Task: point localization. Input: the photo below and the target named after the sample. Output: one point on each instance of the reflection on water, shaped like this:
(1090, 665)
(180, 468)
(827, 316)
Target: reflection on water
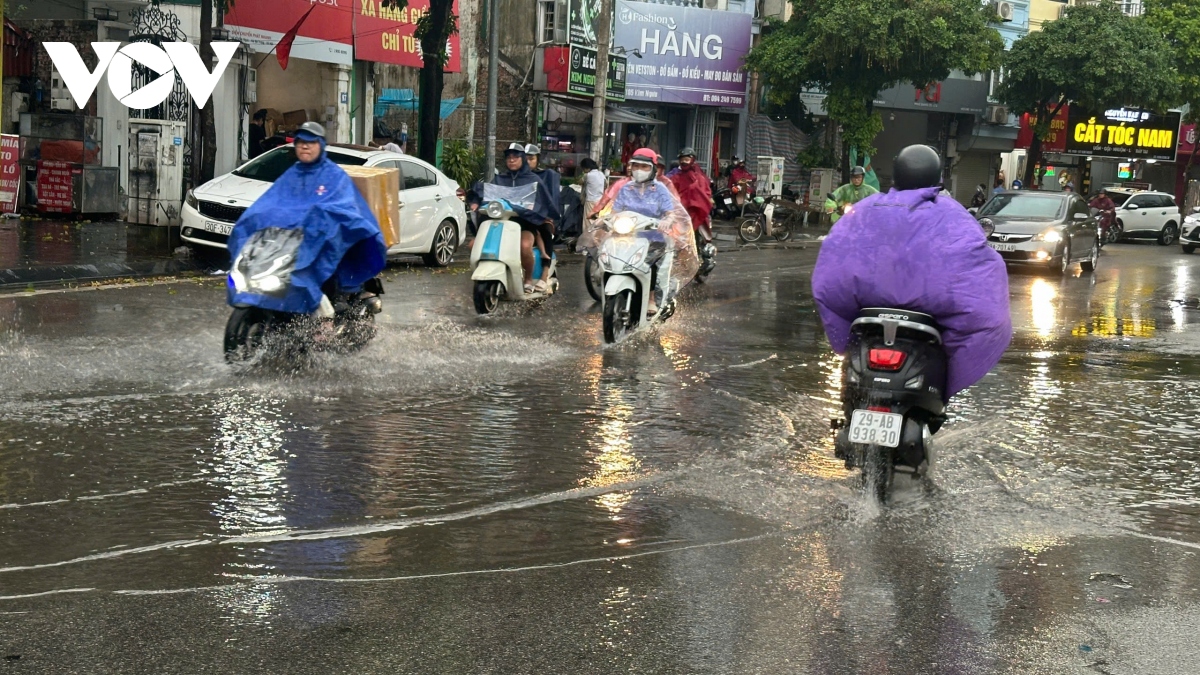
(1044, 311)
(613, 458)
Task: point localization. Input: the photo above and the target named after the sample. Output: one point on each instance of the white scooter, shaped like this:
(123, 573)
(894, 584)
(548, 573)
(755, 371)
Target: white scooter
(496, 256)
(629, 253)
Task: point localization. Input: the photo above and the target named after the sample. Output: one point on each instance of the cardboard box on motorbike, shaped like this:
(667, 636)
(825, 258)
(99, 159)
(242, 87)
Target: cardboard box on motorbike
(381, 188)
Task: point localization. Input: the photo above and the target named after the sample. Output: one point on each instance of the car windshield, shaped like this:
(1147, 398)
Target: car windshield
(269, 166)
(1027, 206)
(1119, 198)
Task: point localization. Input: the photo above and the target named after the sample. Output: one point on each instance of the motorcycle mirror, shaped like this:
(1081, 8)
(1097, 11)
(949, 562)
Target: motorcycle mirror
(973, 211)
(1081, 216)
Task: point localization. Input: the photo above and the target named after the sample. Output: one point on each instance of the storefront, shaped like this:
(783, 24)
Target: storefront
(313, 81)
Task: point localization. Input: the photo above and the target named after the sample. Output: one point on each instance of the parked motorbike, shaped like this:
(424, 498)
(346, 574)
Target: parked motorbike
(730, 202)
(762, 221)
(496, 254)
(892, 396)
(263, 270)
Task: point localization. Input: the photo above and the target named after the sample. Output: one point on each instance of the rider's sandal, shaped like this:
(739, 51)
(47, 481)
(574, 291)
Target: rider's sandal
(529, 288)
(541, 286)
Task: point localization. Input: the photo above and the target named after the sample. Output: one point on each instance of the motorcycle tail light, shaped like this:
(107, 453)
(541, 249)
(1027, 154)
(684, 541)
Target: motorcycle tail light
(736, 189)
(886, 359)
(879, 408)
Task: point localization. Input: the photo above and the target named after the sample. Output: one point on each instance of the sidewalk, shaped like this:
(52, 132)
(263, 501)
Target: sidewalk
(49, 252)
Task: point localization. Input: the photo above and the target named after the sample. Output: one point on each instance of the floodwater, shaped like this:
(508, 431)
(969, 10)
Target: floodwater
(507, 494)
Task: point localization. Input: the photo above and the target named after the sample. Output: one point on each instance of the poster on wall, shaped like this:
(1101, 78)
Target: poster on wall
(385, 35)
(1123, 132)
(54, 183)
(10, 173)
(692, 56)
(326, 35)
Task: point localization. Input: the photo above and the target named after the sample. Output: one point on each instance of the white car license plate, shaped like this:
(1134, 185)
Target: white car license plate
(728, 200)
(218, 228)
(876, 428)
(1003, 248)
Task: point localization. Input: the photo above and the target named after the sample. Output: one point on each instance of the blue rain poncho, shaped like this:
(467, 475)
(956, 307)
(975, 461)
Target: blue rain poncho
(341, 235)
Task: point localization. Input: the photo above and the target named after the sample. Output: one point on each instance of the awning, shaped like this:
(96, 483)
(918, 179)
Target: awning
(611, 113)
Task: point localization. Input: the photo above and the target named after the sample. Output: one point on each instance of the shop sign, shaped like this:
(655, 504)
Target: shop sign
(1123, 132)
(326, 35)
(581, 77)
(385, 34)
(1187, 139)
(692, 56)
(583, 26)
(1055, 141)
(55, 181)
(950, 96)
(9, 172)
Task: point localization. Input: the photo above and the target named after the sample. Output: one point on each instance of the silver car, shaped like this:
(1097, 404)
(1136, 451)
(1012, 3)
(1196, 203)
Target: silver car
(1053, 230)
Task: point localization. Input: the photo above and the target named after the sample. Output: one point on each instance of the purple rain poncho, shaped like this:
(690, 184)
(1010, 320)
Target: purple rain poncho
(916, 250)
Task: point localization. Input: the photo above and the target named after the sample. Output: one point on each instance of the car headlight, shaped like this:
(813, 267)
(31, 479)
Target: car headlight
(623, 225)
(192, 201)
(1192, 219)
(1049, 236)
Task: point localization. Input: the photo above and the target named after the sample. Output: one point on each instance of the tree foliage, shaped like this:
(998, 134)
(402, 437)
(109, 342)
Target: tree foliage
(1178, 21)
(434, 28)
(1096, 57)
(854, 49)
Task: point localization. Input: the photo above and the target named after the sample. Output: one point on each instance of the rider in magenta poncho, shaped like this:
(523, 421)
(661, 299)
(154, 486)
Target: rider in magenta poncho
(912, 248)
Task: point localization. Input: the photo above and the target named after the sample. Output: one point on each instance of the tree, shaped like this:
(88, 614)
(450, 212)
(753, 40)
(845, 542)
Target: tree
(434, 28)
(1096, 57)
(1178, 21)
(854, 49)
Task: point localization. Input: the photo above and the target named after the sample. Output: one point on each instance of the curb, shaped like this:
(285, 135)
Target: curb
(20, 278)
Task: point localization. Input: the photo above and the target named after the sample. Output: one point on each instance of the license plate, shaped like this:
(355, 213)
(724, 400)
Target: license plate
(1003, 248)
(218, 228)
(876, 428)
(728, 200)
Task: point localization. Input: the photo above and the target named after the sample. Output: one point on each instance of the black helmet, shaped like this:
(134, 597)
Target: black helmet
(311, 129)
(736, 159)
(858, 171)
(916, 167)
(687, 152)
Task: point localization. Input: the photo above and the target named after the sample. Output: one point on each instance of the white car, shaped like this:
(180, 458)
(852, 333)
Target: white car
(433, 219)
(1190, 236)
(1142, 214)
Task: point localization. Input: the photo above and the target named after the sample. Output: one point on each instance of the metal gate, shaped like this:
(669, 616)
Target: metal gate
(702, 137)
(156, 26)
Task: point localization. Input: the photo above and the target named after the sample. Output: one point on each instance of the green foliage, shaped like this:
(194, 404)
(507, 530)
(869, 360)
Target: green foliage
(1179, 22)
(853, 49)
(816, 155)
(462, 163)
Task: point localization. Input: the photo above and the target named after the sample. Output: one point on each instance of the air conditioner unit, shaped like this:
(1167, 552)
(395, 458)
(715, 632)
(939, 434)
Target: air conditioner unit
(250, 93)
(1004, 10)
(62, 103)
(997, 114)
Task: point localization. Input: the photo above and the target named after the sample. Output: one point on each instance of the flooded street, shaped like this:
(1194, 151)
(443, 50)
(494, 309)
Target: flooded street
(508, 495)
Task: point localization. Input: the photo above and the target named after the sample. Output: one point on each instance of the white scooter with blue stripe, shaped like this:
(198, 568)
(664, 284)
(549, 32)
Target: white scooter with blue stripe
(496, 256)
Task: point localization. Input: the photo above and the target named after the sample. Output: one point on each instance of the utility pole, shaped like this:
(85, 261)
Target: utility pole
(493, 84)
(603, 37)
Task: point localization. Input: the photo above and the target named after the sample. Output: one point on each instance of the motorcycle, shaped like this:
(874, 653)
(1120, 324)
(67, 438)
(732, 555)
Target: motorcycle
(707, 251)
(638, 258)
(1108, 227)
(763, 221)
(262, 271)
(840, 209)
(730, 202)
(496, 254)
(894, 377)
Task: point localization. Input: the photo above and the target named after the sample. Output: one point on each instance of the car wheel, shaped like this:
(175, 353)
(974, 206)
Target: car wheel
(1089, 265)
(1114, 232)
(1169, 232)
(1189, 248)
(445, 243)
(1065, 266)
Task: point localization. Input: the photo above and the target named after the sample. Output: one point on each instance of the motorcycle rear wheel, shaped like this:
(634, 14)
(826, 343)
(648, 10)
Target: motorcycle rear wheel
(878, 472)
(618, 322)
(783, 231)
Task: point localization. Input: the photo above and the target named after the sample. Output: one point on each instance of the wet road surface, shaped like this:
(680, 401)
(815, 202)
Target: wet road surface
(507, 495)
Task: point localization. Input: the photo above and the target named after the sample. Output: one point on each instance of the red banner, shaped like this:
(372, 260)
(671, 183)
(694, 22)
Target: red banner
(386, 35)
(54, 183)
(9, 172)
(1187, 139)
(327, 35)
(1056, 141)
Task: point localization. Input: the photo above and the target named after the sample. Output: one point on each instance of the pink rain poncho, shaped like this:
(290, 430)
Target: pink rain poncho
(916, 250)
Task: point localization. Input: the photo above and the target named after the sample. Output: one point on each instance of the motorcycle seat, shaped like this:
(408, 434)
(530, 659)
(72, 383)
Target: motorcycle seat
(892, 320)
(901, 314)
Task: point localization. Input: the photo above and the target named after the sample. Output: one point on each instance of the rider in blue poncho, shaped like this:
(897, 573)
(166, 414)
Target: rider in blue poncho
(342, 247)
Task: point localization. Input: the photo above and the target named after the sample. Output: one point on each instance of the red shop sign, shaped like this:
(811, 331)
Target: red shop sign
(10, 172)
(1056, 141)
(54, 185)
(386, 35)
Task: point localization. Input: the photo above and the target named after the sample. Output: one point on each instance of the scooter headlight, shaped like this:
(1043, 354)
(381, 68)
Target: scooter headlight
(494, 210)
(267, 284)
(623, 225)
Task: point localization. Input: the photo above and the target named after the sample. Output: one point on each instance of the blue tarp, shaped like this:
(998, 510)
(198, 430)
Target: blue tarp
(407, 99)
(341, 235)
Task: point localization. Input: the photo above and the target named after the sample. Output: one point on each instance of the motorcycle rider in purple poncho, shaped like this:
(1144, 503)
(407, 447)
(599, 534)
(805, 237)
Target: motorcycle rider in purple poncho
(911, 248)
